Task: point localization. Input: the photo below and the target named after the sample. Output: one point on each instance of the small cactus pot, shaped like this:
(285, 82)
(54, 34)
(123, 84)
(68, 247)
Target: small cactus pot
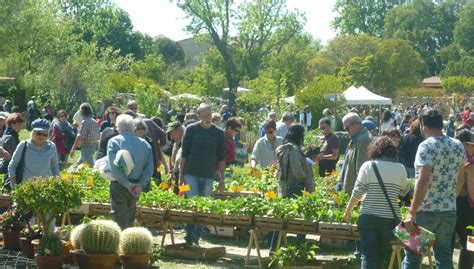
(94, 261)
(135, 261)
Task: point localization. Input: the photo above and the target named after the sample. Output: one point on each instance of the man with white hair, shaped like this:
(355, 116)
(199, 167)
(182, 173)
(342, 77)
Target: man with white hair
(356, 152)
(284, 125)
(131, 164)
(202, 148)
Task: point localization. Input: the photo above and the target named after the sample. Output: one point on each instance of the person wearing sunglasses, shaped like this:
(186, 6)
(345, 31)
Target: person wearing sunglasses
(110, 118)
(264, 151)
(41, 158)
(232, 128)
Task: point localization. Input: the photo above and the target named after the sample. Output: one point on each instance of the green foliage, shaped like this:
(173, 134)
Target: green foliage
(152, 67)
(464, 29)
(171, 51)
(100, 237)
(50, 245)
(203, 80)
(312, 94)
(362, 16)
(48, 197)
(156, 253)
(13, 220)
(460, 85)
(295, 255)
(149, 98)
(462, 67)
(426, 25)
(135, 241)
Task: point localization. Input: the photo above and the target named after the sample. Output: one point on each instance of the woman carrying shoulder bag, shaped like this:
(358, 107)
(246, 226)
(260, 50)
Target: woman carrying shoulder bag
(382, 179)
(294, 172)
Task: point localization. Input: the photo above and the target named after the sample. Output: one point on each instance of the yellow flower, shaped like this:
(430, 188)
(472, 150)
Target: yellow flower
(270, 195)
(237, 188)
(90, 181)
(164, 185)
(75, 176)
(306, 193)
(254, 190)
(158, 169)
(334, 173)
(184, 188)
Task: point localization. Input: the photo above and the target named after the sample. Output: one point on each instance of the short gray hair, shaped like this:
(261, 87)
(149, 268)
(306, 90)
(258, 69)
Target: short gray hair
(352, 117)
(202, 107)
(124, 123)
(139, 123)
(287, 116)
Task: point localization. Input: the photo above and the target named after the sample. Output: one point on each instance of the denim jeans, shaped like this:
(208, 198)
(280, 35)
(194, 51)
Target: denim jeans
(87, 155)
(375, 235)
(442, 225)
(199, 186)
(291, 191)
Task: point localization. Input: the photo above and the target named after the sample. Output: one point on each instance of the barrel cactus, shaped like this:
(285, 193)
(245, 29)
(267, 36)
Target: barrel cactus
(136, 241)
(100, 237)
(50, 245)
(75, 236)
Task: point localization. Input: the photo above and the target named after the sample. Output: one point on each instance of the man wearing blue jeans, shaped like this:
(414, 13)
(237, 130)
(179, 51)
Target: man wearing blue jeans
(439, 164)
(202, 151)
(87, 136)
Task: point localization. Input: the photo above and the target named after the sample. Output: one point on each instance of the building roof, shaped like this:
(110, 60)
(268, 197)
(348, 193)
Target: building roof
(431, 82)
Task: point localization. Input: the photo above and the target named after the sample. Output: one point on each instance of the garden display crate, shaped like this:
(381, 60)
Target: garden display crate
(208, 218)
(222, 231)
(470, 243)
(302, 225)
(180, 216)
(194, 253)
(99, 209)
(237, 220)
(83, 209)
(5, 200)
(267, 222)
(355, 231)
(341, 229)
(320, 264)
(226, 195)
(150, 213)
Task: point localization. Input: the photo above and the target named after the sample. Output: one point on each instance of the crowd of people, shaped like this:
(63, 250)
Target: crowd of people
(380, 156)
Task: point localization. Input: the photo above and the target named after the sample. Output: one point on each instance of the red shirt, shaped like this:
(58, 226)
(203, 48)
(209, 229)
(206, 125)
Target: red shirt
(229, 145)
(465, 116)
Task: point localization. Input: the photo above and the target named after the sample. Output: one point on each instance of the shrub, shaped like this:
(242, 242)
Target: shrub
(50, 246)
(135, 241)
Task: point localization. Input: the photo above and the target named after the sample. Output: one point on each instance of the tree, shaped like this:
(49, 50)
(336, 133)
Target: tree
(103, 23)
(362, 16)
(152, 67)
(380, 65)
(427, 25)
(459, 85)
(172, 51)
(464, 29)
(203, 80)
(313, 93)
(462, 67)
(263, 26)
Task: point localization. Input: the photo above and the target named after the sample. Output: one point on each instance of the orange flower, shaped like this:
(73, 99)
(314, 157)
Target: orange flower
(270, 195)
(237, 188)
(164, 185)
(184, 188)
(256, 173)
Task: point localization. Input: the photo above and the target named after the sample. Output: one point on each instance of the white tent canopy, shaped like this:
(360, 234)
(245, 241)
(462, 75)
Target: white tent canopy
(239, 89)
(185, 96)
(290, 100)
(362, 96)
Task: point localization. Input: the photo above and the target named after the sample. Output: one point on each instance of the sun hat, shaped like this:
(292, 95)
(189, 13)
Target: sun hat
(40, 125)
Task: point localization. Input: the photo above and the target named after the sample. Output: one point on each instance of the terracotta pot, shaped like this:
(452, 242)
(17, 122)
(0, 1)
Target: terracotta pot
(11, 240)
(27, 248)
(135, 261)
(49, 262)
(94, 261)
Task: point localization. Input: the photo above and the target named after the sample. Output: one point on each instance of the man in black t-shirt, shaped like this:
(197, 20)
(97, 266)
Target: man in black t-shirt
(202, 148)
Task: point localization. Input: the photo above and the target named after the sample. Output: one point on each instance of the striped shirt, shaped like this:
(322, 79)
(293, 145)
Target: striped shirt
(394, 177)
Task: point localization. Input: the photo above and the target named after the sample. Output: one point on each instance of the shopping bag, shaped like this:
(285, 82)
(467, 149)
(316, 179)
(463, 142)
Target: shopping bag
(419, 242)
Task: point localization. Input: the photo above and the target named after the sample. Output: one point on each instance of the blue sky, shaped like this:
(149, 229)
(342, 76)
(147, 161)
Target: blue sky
(161, 17)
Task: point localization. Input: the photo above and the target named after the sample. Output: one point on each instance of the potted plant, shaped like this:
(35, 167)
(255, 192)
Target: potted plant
(48, 197)
(11, 223)
(75, 236)
(470, 239)
(50, 253)
(28, 234)
(99, 241)
(135, 247)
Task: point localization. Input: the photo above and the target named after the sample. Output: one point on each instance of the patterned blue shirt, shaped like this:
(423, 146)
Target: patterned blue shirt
(445, 155)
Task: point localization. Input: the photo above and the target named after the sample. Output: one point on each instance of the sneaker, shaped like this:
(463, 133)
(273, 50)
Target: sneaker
(191, 245)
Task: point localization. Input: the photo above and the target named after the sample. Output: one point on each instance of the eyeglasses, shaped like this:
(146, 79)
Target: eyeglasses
(39, 133)
(269, 131)
(62, 116)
